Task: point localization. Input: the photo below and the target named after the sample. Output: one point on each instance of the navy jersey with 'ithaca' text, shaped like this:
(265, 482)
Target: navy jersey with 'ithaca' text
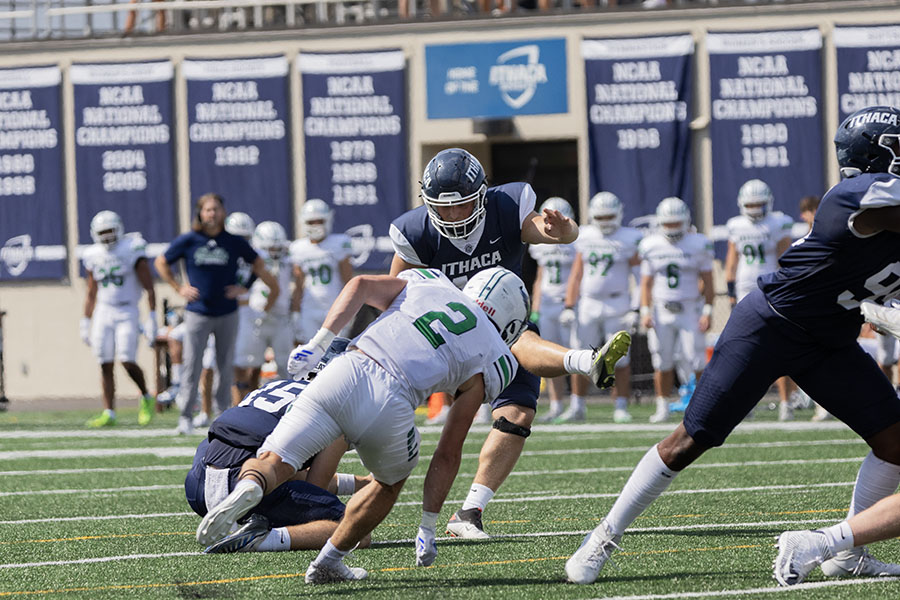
(827, 274)
(497, 242)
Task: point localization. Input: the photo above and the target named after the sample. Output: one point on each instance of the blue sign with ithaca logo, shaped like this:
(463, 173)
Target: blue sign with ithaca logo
(496, 79)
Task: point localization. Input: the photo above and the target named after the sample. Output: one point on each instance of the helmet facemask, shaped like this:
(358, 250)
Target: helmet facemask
(455, 230)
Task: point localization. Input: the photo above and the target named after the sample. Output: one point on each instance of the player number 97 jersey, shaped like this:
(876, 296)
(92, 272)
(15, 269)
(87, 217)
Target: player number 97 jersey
(605, 260)
(675, 266)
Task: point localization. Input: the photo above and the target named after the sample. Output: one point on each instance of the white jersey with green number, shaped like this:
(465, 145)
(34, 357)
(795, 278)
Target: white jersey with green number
(259, 291)
(756, 243)
(322, 282)
(113, 269)
(605, 260)
(675, 266)
(556, 262)
(434, 338)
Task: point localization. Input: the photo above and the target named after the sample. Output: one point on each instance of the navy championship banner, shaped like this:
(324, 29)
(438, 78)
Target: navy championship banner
(354, 108)
(868, 67)
(496, 79)
(32, 207)
(239, 132)
(639, 106)
(766, 124)
(124, 152)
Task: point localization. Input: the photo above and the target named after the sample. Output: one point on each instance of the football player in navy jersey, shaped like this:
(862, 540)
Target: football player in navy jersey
(298, 515)
(803, 322)
(464, 227)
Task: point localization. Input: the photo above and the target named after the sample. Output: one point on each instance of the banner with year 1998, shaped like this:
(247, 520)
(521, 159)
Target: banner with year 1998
(32, 208)
(239, 129)
(766, 121)
(124, 154)
(639, 104)
(868, 67)
(354, 107)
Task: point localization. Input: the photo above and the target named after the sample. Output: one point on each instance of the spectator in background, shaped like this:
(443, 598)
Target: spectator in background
(210, 257)
(131, 20)
(117, 270)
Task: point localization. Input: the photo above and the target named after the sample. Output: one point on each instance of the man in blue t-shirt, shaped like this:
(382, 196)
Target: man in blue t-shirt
(802, 322)
(210, 256)
(465, 227)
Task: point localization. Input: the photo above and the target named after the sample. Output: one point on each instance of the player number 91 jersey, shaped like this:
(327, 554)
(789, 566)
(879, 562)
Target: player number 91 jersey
(435, 338)
(675, 266)
(756, 243)
(112, 267)
(605, 260)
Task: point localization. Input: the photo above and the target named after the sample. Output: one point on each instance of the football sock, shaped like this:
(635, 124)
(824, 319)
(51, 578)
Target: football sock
(578, 361)
(840, 537)
(876, 479)
(330, 554)
(479, 496)
(277, 540)
(649, 479)
(176, 374)
(577, 402)
(111, 413)
(622, 403)
(555, 406)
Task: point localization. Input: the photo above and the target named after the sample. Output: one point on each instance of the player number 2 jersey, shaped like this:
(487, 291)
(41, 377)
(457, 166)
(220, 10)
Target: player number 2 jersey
(675, 266)
(435, 338)
(113, 269)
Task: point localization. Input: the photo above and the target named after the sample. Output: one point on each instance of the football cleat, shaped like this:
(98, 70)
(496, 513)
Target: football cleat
(145, 410)
(662, 411)
(246, 539)
(584, 566)
(185, 426)
(857, 562)
(166, 398)
(603, 360)
(333, 573)
(799, 552)
(218, 521)
(467, 524)
(551, 414)
(571, 415)
(104, 419)
(620, 415)
(201, 419)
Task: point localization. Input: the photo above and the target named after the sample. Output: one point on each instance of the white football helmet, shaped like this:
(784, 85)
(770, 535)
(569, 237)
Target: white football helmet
(606, 212)
(270, 237)
(315, 219)
(107, 228)
(560, 204)
(673, 217)
(755, 199)
(502, 295)
(239, 223)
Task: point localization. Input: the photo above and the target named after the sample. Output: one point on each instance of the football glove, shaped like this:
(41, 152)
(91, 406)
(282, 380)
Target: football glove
(149, 328)
(426, 547)
(567, 317)
(305, 357)
(84, 330)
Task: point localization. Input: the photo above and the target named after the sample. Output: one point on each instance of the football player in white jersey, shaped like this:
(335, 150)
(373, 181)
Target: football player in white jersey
(117, 272)
(756, 239)
(599, 284)
(676, 296)
(266, 329)
(431, 337)
(322, 267)
(549, 298)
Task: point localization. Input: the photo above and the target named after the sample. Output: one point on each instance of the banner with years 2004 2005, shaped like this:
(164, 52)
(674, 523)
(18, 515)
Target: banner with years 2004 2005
(766, 120)
(32, 208)
(124, 153)
(639, 106)
(238, 128)
(354, 107)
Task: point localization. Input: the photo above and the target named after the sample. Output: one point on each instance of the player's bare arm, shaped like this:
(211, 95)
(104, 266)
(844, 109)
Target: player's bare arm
(551, 227)
(345, 268)
(573, 286)
(536, 290)
(646, 301)
(709, 294)
(398, 265)
(186, 291)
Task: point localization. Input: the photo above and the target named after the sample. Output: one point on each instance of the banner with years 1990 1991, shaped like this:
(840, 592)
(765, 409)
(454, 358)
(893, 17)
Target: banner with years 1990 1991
(32, 209)
(766, 122)
(354, 107)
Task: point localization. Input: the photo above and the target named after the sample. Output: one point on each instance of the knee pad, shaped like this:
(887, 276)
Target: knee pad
(504, 425)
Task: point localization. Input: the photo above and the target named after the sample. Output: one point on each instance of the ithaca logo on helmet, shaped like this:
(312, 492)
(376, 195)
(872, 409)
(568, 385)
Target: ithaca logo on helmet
(873, 117)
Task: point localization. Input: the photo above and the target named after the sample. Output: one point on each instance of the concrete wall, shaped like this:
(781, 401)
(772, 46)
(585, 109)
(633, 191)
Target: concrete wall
(43, 354)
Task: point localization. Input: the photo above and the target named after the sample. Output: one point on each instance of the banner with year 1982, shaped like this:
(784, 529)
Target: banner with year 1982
(639, 104)
(766, 122)
(32, 208)
(354, 107)
(124, 152)
(239, 129)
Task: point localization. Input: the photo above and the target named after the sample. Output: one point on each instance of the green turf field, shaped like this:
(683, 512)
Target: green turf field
(102, 515)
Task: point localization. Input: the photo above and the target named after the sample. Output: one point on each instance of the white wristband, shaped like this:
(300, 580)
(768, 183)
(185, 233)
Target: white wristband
(645, 311)
(346, 484)
(322, 339)
(707, 310)
(429, 520)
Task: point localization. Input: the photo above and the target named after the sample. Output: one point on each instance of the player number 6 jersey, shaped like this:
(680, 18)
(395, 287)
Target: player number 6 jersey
(675, 266)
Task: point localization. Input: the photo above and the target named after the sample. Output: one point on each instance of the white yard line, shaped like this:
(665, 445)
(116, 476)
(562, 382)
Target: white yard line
(766, 590)
(102, 559)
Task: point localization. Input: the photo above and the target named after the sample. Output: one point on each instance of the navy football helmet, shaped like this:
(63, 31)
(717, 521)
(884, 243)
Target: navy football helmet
(868, 141)
(451, 178)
